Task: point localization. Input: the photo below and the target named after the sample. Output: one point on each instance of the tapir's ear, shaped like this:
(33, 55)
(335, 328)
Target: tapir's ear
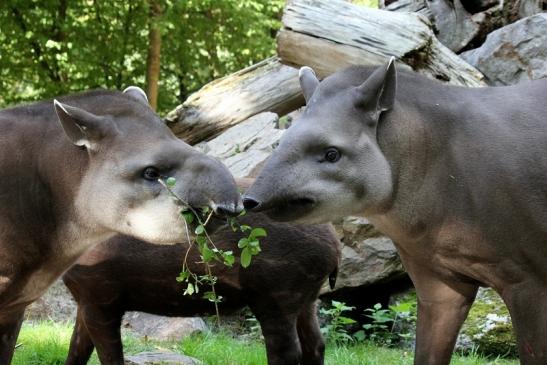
(137, 93)
(377, 93)
(81, 127)
(308, 82)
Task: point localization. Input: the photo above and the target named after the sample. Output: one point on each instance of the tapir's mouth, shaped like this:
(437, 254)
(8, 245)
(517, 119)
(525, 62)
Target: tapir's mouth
(291, 209)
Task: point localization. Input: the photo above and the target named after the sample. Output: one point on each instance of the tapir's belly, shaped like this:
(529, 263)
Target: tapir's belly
(455, 250)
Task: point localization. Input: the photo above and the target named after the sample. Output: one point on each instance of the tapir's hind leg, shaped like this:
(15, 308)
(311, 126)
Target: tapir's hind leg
(9, 331)
(527, 304)
(103, 326)
(442, 308)
(81, 346)
(311, 341)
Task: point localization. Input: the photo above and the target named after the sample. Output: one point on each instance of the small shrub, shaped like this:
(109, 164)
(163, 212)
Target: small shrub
(336, 329)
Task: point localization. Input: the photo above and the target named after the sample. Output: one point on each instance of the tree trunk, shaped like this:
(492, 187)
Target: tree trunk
(328, 35)
(154, 53)
(266, 86)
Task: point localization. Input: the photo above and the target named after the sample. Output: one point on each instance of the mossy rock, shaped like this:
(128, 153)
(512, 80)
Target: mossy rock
(488, 330)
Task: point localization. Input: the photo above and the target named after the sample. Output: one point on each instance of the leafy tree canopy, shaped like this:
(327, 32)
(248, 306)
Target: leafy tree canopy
(54, 47)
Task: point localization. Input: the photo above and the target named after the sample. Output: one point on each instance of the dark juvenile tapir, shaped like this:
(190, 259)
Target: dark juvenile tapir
(75, 172)
(280, 286)
(457, 177)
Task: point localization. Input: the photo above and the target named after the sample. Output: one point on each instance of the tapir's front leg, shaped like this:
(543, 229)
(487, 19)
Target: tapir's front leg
(527, 303)
(9, 331)
(442, 308)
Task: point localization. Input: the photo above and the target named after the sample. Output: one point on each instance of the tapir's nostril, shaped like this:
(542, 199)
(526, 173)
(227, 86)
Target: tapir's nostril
(249, 203)
(228, 210)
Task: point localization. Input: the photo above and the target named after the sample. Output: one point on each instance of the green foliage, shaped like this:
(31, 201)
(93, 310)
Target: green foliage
(47, 343)
(381, 328)
(335, 330)
(208, 251)
(55, 47)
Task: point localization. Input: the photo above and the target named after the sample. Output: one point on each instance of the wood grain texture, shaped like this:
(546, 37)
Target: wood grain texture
(266, 86)
(332, 34)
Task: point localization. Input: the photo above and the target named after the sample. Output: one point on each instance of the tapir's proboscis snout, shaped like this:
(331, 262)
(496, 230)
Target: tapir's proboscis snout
(211, 185)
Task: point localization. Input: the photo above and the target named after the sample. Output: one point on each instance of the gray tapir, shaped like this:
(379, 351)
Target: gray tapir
(280, 287)
(74, 172)
(457, 177)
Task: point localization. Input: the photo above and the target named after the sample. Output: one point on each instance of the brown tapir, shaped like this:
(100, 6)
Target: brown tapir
(457, 177)
(79, 170)
(280, 286)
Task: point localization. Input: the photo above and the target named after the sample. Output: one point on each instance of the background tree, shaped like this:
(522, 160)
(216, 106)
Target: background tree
(53, 47)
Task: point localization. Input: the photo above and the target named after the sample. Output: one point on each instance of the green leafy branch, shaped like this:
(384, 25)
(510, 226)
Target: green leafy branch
(208, 251)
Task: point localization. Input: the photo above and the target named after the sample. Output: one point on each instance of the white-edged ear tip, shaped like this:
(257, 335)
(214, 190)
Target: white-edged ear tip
(58, 104)
(391, 61)
(137, 89)
(305, 69)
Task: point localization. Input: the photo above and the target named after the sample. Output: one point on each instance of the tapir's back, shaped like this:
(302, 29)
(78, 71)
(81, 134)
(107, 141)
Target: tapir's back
(142, 275)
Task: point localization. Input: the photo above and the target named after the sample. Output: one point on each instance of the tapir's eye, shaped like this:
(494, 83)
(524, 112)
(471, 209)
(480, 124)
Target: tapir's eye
(332, 155)
(151, 173)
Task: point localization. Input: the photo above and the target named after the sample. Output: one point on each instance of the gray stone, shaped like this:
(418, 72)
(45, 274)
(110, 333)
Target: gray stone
(245, 145)
(514, 53)
(56, 305)
(161, 358)
(163, 328)
(368, 257)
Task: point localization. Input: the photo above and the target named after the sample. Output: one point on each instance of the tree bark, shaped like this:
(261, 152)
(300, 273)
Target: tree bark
(154, 53)
(266, 86)
(328, 35)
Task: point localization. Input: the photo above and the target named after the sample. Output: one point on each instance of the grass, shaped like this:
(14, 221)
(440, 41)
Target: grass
(47, 343)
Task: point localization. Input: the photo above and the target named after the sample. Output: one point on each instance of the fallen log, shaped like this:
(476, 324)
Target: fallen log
(266, 86)
(328, 35)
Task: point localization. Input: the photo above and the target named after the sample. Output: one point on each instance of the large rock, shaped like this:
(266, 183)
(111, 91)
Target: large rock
(56, 305)
(161, 358)
(247, 145)
(163, 328)
(368, 257)
(513, 53)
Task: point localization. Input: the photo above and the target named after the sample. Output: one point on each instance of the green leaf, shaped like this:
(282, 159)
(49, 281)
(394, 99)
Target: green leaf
(242, 243)
(245, 228)
(189, 289)
(188, 216)
(254, 243)
(258, 232)
(229, 260)
(183, 276)
(170, 182)
(201, 240)
(207, 254)
(199, 229)
(245, 257)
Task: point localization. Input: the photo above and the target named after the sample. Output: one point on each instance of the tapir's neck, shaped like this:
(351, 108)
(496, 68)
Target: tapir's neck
(413, 136)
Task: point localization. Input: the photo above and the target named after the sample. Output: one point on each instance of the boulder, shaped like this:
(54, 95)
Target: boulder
(56, 305)
(162, 328)
(513, 53)
(368, 257)
(247, 145)
(161, 358)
